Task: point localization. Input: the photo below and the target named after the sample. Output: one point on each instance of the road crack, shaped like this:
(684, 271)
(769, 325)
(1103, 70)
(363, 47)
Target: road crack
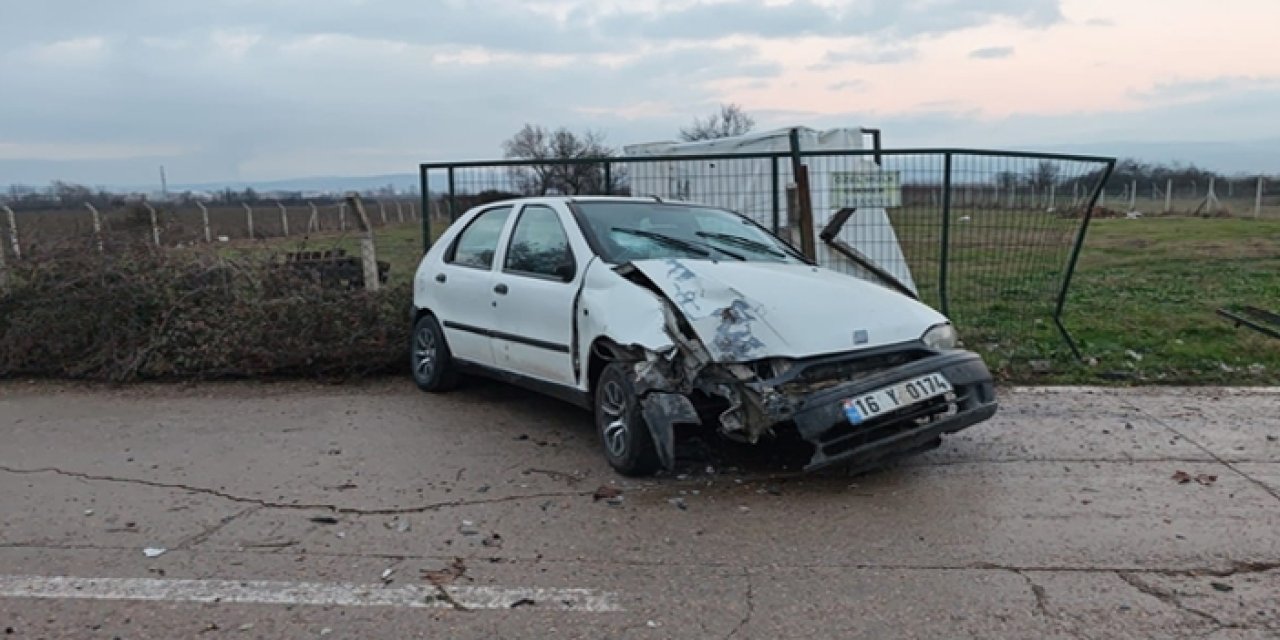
(208, 532)
(751, 605)
(267, 504)
(1171, 598)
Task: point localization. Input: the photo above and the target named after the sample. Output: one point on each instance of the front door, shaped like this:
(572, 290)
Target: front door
(536, 287)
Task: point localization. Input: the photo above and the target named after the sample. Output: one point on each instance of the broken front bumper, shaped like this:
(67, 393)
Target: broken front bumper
(820, 417)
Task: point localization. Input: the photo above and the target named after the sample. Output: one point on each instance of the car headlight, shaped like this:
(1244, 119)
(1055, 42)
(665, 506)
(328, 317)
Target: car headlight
(940, 336)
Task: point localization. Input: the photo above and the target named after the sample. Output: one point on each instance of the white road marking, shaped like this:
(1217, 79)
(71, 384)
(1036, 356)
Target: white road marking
(306, 593)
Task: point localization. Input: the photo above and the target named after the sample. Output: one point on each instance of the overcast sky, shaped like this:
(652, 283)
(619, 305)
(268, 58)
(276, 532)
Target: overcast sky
(103, 92)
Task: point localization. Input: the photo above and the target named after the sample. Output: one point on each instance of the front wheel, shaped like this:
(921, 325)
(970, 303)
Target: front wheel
(628, 445)
(429, 355)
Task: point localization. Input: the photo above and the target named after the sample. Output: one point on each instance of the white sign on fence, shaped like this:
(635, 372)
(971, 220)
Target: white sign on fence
(875, 188)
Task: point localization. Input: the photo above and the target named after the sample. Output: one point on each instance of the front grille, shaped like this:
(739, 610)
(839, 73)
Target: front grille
(829, 373)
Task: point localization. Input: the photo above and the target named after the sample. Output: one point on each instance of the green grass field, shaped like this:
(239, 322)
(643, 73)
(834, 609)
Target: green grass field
(1147, 288)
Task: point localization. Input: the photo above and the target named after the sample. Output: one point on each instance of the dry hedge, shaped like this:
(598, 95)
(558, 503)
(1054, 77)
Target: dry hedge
(136, 312)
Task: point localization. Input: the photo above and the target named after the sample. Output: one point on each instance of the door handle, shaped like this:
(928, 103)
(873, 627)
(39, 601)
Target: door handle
(440, 277)
(500, 288)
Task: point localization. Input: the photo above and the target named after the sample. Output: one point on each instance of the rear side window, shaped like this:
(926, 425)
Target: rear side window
(477, 244)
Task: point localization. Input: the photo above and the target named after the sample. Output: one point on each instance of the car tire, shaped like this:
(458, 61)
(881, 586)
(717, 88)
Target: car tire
(628, 445)
(429, 356)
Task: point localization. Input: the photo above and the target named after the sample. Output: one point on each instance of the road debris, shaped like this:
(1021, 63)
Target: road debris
(678, 503)
(245, 627)
(441, 577)
(468, 528)
(154, 552)
(386, 574)
(88, 512)
(523, 602)
(1205, 479)
(324, 520)
(1222, 586)
(605, 492)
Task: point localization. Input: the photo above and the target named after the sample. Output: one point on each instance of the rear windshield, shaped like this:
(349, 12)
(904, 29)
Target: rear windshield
(626, 231)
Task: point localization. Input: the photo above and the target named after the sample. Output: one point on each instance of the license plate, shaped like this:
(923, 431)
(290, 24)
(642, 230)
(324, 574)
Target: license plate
(876, 403)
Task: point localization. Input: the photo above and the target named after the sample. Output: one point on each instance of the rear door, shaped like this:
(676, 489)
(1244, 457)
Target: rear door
(464, 286)
(536, 286)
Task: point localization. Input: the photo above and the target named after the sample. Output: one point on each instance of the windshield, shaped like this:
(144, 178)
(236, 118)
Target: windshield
(626, 231)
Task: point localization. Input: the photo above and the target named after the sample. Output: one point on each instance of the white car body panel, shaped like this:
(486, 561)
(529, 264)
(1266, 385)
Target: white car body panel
(744, 311)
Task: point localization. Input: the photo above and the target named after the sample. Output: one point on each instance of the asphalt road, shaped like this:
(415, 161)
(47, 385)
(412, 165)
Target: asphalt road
(375, 511)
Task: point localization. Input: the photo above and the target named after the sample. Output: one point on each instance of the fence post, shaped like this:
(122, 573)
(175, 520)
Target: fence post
(313, 223)
(425, 192)
(248, 217)
(1133, 195)
(1168, 196)
(155, 225)
(399, 211)
(342, 216)
(946, 234)
(368, 257)
(204, 219)
(1257, 200)
(453, 213)
(97, 224)
(777, 204)
(800, 175)
(284, 218)
(382, 213)
(608, 178)
(1075, 194)
(1075, 257)
(1053, 197)
(13, 234)
(4, 273)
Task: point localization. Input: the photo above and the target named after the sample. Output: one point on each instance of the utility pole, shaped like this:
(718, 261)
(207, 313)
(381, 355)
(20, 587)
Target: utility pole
(164, 185)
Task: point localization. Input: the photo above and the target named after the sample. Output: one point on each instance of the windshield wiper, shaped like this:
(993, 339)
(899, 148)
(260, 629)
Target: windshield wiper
(746, 243)
(672, 241)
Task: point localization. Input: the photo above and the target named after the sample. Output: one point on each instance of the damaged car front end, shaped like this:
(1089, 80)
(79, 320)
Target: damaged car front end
(860, 407)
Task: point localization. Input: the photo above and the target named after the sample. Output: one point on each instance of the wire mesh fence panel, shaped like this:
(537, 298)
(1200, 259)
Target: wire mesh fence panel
(988, 238)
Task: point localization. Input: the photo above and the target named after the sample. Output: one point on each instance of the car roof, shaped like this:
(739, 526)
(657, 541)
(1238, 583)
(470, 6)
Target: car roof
(571, 199)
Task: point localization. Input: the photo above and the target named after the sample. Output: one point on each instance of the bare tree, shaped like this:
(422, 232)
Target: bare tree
(729, 121)
(1044, 175)
(566, 168)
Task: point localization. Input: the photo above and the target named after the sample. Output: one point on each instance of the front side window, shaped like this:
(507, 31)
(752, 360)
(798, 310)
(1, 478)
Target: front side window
(477, 244)
(626, 231)
(539, 245)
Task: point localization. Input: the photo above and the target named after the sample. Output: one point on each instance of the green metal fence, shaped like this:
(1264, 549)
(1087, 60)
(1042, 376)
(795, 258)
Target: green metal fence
(989, 238)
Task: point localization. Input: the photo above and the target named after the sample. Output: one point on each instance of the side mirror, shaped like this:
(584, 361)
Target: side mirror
(565, 272)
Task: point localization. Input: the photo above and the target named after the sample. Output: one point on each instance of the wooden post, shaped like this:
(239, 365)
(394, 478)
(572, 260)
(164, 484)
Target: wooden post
(1257, 200)
(399, 211)
(204, 220)
(807, 242)
(342, 216)
(368, 256)
(155, 224)
(1168, 196)
(248, 218)
(13, 234)
(313, 224)
(97, 224)
(382, 212)
(284, 218)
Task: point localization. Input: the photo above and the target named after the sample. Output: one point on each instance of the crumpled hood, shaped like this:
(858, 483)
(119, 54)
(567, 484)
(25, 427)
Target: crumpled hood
(744, 311)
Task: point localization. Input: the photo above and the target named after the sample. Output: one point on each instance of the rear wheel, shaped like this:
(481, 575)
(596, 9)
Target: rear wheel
(429, 355)
(628, 445)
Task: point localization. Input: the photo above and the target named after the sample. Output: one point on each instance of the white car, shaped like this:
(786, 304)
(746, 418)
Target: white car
(656, 314)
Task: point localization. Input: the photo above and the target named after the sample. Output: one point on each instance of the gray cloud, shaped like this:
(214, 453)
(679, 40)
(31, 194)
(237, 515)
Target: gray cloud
(991, 53)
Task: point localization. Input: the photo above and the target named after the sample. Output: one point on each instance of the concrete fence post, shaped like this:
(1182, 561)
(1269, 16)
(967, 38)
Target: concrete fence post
(382, 212)
(399, 211)
(248, 218)
(1168, 196)
(368, 255)
(13, 234)
(342, 216)
(1053, 197)
(284, 218)
(413, 212)
(97, 224)
(204, 220)
(1133, 195)
(155, 223)
(1075, 194)
(313, 223)
(1257, 200)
